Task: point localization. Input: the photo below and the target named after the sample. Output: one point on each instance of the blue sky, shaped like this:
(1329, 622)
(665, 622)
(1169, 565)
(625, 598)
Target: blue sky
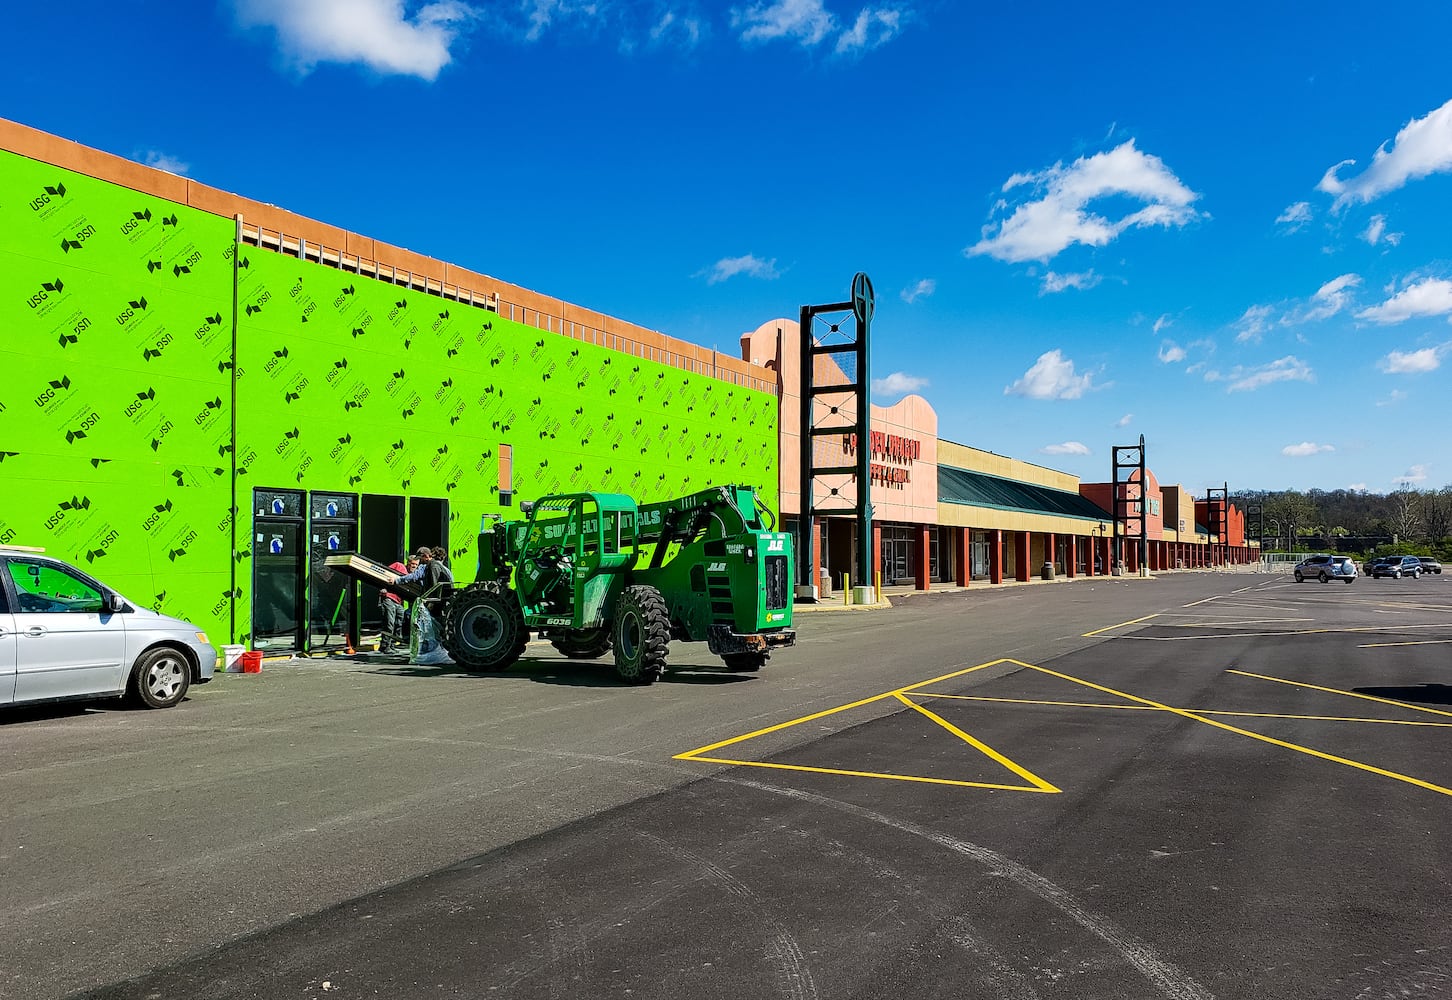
(1228, 229)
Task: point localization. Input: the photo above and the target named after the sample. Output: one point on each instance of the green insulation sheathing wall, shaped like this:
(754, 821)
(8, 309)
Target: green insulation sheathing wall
(121, 446)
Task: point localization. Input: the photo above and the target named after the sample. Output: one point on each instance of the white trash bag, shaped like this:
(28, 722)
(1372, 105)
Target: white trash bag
(423, 643)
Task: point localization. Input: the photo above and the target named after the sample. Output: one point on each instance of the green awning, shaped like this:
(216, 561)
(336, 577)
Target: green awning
(978, 489)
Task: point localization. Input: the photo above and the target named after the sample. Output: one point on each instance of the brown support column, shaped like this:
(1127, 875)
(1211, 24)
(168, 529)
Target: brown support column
(818, 530)
(963, 555)
(1073, 561)
(922, 573)
(1021, 549)
(1050, 545)
(876, 556)
(995, 556)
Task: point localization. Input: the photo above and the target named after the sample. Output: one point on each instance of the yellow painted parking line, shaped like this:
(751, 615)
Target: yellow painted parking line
(1107, 628)
(1333, 758)
(1417, 642)
(1023, 773)
(1348, 694)
(872, 774)
(1197, 711)
(1036, 784)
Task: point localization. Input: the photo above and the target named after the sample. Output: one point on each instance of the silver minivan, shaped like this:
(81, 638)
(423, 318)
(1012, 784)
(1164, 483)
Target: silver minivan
(64, 635)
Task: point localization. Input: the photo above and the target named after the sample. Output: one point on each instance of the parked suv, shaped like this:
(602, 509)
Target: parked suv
(1430, 565)
(1396, 567)
(1326, 569)
(64, 635)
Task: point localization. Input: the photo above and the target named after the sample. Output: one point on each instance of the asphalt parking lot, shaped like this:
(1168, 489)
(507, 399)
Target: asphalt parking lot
(1195, 786)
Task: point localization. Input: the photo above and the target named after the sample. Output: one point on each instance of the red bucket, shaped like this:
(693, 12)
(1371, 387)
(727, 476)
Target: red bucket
(252, 662)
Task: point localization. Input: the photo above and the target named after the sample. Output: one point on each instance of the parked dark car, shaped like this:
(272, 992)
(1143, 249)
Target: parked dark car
(1429, 565)
(1395, 567)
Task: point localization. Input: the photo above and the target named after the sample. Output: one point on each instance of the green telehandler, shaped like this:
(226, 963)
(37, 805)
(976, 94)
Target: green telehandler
(594, 572)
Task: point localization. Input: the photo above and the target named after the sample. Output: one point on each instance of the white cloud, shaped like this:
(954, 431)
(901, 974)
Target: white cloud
(1361, 487)
(1171, 352)
(1253, 325)
(1416, 474)
(898, 384)
(1428, 359)
(1124, 420)
(1060, 217)
(809, 23)
(165, 161)
(1162, 322)
(920, 290)
(804, 21)
(1082, 281)
(749, 265)
(1332, 297)
(1287, 369)
(1295, 216)
(1067, 448)
(680, 30)
(377, 33)
(1305, 448)
(1397, 395)
(873, 28)
(1423, 147)
(1051, 377)
(1428, 297)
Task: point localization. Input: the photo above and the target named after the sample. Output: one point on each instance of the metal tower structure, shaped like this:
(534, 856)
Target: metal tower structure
(1130, 502)
(835, 403)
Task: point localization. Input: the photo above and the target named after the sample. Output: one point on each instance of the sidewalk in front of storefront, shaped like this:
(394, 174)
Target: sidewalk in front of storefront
(897, 594)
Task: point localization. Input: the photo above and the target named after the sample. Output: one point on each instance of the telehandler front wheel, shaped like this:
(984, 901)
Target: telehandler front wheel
(583, 644)
(483, 627)
(642, 634)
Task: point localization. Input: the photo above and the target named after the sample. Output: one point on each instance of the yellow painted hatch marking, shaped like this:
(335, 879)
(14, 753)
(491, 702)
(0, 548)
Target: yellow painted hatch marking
(1348, 694)
(1036, 784)
(1246, 732)
(1197, 711)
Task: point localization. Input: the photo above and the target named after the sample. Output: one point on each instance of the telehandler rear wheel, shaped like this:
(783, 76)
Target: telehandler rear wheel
(744, 663)
(483, 627)
(584, 644)
(642, 634)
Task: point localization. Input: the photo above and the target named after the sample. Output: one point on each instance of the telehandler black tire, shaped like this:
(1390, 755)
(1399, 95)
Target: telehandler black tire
(744, 663)
(642, 634)
(585, 644)
(483, 627)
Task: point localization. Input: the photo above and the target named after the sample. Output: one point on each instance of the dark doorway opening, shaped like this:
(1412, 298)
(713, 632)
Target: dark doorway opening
(428, 523)
(380, 538)
(333, 529)
(279, 569)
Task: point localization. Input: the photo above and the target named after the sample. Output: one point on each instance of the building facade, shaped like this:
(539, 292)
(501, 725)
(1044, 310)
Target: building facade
(206, 396)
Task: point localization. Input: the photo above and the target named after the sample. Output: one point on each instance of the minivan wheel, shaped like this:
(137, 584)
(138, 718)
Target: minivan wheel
(1324, 577)
(1299, 577)
(160, 678)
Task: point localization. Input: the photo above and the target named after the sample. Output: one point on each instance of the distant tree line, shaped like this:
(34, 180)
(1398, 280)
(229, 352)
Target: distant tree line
(1406, 520)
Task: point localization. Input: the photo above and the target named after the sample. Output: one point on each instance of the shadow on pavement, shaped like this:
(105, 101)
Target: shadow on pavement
(1427, 694)
(570, 673)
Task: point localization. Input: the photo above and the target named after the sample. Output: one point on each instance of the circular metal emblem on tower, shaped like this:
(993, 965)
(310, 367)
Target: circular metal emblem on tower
(862, 300)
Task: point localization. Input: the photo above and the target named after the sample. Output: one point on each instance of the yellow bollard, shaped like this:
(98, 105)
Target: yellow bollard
(879, 586)
(846, 589)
